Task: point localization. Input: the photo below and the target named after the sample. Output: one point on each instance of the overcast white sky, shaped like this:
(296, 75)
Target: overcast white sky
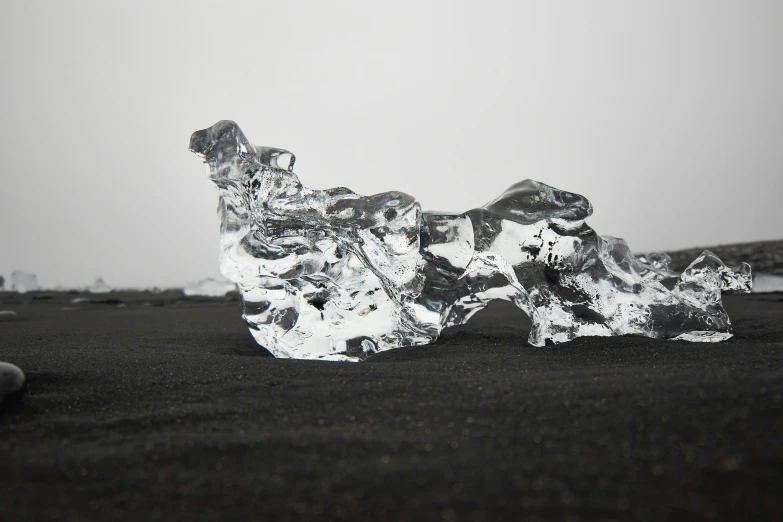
(667, 115)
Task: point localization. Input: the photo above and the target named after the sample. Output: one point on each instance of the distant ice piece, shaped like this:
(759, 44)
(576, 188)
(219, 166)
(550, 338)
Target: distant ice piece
(23, 282)
(333, 275)
(763, 283)
(210, 288)
(99, 287)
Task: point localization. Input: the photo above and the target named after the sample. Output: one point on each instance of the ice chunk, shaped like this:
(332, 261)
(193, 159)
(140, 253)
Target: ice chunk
(99, 287)
(23, 282)
(767, 283)
(330, 274)
(210, 288)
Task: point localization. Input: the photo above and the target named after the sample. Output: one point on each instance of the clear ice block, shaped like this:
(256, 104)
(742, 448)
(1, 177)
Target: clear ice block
(333, 275)
(209, 288)
(99, 287)
(24, 282)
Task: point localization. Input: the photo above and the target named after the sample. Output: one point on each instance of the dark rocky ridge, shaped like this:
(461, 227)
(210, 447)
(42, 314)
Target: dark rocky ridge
(763, 256)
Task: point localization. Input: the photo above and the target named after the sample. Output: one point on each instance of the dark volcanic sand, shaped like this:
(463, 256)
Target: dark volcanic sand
(171, 412)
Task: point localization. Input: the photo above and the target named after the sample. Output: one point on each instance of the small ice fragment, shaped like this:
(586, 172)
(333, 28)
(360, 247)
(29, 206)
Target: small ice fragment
(79, 300)
(763, 283)
(7, 313)
(99, 287)
(210, 288)
(23, 282)
(703, 337)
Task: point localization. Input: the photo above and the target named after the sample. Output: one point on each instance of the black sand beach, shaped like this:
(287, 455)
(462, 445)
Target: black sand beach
(165, 409)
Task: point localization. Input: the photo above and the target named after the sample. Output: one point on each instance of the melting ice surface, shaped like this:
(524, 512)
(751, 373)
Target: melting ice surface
(330, 274)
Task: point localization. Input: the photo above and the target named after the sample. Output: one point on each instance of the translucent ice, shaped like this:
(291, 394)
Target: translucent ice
(330, 274)
(99, 287)
(23, 282)
(763, 283)
(210, 288)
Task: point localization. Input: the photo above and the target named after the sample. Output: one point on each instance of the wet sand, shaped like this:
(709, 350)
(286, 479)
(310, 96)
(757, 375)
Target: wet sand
(151, 407)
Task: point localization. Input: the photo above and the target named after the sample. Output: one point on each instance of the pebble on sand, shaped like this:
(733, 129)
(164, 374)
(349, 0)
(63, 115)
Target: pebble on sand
(11, 380)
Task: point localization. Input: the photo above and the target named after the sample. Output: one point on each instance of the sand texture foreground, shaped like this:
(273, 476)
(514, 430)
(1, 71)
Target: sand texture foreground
(152, 407)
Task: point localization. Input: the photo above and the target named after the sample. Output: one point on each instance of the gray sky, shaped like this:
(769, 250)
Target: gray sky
(667, 115)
